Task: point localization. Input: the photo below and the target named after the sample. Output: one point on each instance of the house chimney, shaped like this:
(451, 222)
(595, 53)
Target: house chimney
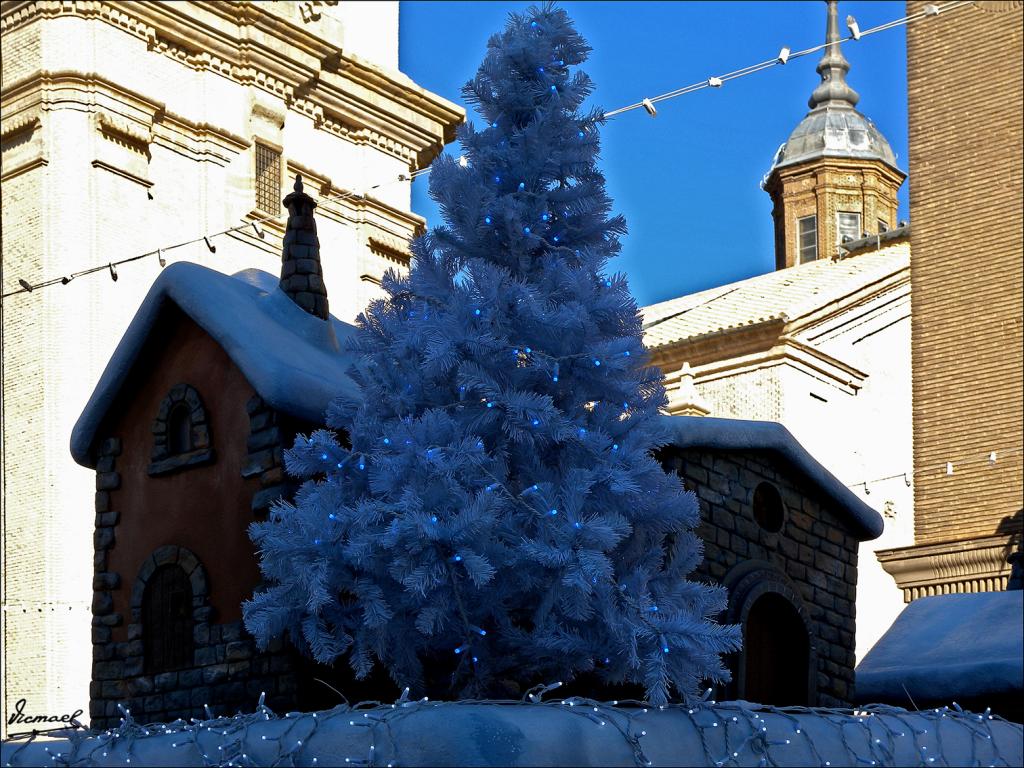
(302, 277)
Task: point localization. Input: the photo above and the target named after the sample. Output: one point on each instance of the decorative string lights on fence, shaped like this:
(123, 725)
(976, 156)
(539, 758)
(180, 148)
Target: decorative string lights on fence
(584, 731)
(716, 81)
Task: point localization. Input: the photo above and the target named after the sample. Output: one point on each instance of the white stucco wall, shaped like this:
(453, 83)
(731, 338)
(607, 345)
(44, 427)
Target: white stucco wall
(74, 197)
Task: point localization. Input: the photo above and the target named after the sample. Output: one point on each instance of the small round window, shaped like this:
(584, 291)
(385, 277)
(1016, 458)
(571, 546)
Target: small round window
(768, 510)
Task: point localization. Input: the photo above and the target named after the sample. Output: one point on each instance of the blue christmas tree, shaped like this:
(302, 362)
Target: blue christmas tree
(497, 511)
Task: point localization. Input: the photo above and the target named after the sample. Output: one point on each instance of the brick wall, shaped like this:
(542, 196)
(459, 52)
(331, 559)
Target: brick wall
(965, 105)
(813, 554)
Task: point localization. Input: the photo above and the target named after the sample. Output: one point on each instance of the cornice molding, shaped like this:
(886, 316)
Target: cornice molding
(15, 13)
(125, 113)
(390, 248)
(788, 351)
(251, 45)
(976, 565)
(16, 170)
(740, 340)
(25, 120)
(128, 131)
(816, 316)
(818, 167)
(708, 347)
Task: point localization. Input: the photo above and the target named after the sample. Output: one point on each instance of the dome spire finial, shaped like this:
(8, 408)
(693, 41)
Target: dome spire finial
(833, 91)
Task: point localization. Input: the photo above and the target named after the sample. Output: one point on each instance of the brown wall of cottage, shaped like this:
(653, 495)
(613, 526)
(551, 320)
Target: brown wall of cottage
(206, 508)
(965, 107)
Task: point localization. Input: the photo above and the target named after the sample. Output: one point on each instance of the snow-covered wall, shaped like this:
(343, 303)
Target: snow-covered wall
(570, 732)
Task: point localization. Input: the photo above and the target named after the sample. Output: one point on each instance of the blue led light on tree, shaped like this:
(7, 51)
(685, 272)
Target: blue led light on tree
(418, 355)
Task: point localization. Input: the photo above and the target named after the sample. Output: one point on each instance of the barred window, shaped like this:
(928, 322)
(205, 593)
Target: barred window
(847, 227)
(807, 238)
(268, 179)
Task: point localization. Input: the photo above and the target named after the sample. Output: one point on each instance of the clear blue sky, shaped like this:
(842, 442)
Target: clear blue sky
(688, 180)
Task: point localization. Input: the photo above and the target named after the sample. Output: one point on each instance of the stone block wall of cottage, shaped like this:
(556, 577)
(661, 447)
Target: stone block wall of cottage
(810, 562)
(227, 672)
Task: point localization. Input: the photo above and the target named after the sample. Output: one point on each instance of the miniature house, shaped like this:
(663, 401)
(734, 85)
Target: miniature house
(781, 534)
(186, 431)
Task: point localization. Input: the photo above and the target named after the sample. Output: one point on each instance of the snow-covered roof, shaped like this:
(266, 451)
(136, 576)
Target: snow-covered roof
(292, 359)
(948, 647)
(784, 295)
(771, 437)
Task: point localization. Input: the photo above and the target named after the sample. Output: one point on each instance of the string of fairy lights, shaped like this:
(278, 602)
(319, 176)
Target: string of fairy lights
(947, 469)
(716, 81)
(705, 731)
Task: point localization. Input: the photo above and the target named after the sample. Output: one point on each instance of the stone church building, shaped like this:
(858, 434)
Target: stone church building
(127, 127)
(822, 344)
(927, 432)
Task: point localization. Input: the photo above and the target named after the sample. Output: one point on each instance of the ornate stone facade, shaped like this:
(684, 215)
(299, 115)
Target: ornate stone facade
(128, 127)
(824, 188)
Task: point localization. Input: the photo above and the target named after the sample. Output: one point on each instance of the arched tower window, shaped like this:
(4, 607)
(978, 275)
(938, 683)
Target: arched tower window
(167, 620)
(181, 432)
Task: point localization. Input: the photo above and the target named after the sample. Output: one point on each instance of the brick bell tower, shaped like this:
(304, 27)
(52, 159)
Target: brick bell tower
(836, 176)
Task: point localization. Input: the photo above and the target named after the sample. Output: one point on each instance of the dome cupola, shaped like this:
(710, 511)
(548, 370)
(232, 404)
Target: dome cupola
(833, 127)
(836, 177)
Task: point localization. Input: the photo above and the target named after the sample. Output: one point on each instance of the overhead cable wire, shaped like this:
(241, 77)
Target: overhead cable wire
(992, 459)
(784, 56)
(648, 103)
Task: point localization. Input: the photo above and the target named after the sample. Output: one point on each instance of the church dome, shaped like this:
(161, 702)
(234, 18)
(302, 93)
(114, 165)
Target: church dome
(833, 127)
(834, 131)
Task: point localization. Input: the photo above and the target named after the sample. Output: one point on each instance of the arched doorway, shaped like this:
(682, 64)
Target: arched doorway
(167, 621)
(776, 658)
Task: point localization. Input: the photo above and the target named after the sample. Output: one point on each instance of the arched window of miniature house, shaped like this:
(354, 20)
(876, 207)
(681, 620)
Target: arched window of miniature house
(167, 620)
(776, 650)
(768, 510)
(181, 432)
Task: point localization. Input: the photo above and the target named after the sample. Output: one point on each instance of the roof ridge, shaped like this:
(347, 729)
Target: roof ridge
(778, 295)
